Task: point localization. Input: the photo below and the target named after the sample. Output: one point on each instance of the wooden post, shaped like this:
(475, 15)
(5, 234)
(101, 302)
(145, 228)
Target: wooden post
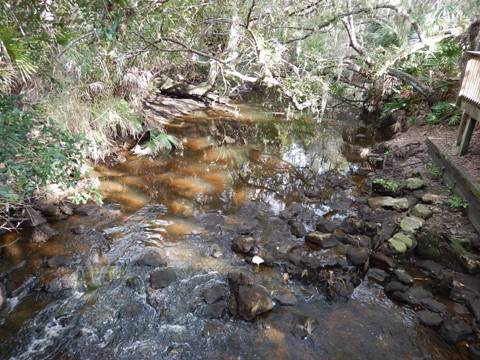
(461, 129)
(467, 135)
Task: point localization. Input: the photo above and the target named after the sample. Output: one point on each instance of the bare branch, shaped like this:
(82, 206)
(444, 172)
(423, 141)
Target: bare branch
(249, 15)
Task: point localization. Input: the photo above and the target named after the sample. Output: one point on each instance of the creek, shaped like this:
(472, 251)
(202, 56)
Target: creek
(85, 294)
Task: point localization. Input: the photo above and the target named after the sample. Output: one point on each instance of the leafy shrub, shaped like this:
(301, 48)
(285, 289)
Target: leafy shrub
(444, 59)
(392, 106)
(34, 154)
(100, 121)
(441, 111)
(82, 197)
(391, 185)
(434, 170)
(456, 202)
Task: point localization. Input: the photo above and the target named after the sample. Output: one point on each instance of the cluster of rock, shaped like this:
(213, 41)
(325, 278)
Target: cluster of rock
(370, 244)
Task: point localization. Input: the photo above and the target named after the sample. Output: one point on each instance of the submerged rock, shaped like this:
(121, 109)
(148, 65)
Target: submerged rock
(298, 229)
(243, 244)
(433, 305)
(388, 202)
(285, 297)
(59, 260)
(324, 240)
(79, 230)
(395, 286)
(63, 282)
(454, 330)
(358, 256)
(43, 233)
(36, 217)
(403, 277)
(161, 278)
(474, 306)
(381, 260)
(376, 274)
(327, 226)
(215, 310)
(213, 293)
(153, 258)
(413, 296)
(3, 295)
(247, 299)
(429, 318)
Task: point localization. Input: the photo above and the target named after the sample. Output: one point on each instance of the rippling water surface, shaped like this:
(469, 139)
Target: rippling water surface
(233, 172)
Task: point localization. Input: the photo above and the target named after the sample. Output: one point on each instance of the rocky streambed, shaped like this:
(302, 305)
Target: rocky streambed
(244, 247)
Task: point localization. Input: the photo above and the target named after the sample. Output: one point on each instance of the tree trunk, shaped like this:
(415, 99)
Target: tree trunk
(417, 85)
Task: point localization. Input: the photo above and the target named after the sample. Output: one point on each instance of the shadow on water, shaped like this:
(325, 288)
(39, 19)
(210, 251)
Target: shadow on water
(234, 174)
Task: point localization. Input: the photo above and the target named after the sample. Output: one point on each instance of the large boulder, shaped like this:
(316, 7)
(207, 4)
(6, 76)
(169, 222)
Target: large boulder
(247, 299)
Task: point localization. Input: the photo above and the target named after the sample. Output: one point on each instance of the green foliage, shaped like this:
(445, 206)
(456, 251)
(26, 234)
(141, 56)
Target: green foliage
(443, 110)
(160, 141)
(456, 202)
(83, 196)
(441, 59)
(34, 154)
(100, 121)
(382, 34)
(392, 106)
(434, 170)
(455, 119)
(391, 185)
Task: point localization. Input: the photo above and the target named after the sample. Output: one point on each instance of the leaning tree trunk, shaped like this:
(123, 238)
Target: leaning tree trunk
(423, 89)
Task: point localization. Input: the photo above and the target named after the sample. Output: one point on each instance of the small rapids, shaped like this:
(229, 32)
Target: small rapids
(89, 295)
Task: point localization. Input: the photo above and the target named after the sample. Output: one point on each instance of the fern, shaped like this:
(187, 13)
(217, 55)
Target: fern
(443, 110)
(161, 142)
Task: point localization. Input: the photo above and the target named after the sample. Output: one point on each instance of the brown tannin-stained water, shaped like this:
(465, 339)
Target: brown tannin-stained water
(87, 294)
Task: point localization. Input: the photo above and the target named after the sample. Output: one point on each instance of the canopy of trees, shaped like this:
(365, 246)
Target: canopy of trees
(308, 49)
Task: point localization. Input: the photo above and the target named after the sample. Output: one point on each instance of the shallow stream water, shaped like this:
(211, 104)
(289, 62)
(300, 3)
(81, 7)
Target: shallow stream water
(233, 173)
